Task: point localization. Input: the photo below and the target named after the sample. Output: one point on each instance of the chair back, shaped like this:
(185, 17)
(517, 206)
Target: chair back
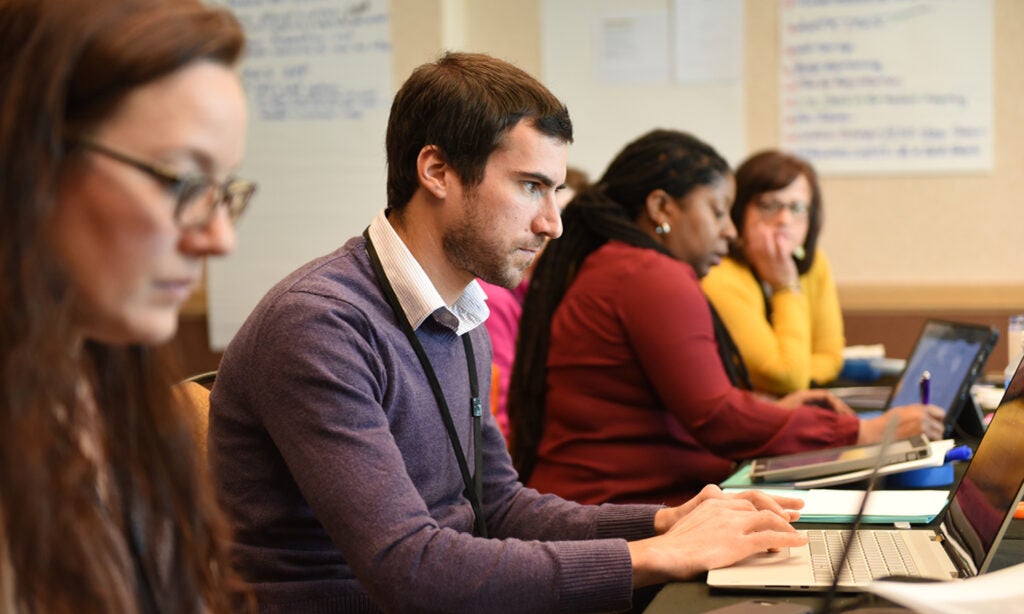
(194, 393)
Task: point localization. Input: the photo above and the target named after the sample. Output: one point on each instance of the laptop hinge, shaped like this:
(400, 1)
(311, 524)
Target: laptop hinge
(960, 558)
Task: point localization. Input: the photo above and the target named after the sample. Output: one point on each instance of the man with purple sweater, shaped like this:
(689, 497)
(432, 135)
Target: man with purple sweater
(350, 437)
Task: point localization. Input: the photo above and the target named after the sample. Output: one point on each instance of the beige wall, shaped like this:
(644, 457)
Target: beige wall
(913, 242)
(896, 243)
(950, 243)
(422, 29)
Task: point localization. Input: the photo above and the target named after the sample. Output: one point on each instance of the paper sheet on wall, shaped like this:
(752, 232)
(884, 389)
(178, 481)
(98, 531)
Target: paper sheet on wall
(618, 86)
(317, 76)
(887, 87)
(632, 48)
(707, 41)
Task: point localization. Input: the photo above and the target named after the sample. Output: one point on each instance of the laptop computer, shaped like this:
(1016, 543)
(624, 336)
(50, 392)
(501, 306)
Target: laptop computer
(954, 354)
(972, 524)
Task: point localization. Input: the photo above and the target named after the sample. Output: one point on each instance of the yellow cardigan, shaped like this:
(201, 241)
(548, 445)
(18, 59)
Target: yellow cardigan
(804, 341)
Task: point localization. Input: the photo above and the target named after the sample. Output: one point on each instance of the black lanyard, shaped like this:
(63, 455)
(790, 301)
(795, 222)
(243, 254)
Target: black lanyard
(474, 485)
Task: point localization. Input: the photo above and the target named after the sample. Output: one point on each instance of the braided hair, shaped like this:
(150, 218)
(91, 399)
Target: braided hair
(668, 160)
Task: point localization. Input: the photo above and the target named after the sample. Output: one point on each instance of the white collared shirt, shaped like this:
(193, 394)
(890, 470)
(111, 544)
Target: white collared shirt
(416, 293)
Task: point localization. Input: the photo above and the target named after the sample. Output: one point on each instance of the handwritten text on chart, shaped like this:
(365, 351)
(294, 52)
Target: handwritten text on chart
(305, 59)
(859, 90)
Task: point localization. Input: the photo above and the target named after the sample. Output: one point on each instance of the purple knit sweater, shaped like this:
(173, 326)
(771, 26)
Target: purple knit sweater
(332, 460)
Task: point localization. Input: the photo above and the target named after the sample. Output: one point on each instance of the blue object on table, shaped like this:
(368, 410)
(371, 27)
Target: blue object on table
(929, 477)
(860, 370)
(959, 453)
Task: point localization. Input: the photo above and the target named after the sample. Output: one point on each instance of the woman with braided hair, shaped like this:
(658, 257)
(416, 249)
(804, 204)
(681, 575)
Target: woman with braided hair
(626, 386)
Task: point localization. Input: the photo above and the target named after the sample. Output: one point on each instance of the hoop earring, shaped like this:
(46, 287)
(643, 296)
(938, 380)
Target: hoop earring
(663, 228)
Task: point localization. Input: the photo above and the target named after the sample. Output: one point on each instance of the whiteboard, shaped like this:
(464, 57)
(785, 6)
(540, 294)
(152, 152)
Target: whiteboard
(888, 87)
(317, 76)
(626, 68)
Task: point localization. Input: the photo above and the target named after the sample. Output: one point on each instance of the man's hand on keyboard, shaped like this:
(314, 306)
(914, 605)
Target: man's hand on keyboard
(714, 530)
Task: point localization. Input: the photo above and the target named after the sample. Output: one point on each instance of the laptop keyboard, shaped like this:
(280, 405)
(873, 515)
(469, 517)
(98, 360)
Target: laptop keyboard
(874, 554)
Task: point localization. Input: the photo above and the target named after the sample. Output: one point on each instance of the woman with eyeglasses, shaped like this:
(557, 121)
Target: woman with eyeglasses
(121, 125)
(626, 388)
(775, 291)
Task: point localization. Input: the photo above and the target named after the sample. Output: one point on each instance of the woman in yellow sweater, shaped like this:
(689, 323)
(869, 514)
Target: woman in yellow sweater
(775, 291)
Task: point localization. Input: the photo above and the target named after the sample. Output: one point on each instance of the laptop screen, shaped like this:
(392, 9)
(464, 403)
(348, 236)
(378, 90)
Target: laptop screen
(991, 486)
(949, 352)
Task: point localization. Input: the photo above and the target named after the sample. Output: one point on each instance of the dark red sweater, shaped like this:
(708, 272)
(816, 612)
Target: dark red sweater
(639, 407)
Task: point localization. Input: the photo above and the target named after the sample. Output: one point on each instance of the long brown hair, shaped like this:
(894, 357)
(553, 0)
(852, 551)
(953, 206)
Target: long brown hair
(103, 494)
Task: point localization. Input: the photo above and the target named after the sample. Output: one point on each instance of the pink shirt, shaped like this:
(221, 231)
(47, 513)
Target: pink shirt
(506, 306)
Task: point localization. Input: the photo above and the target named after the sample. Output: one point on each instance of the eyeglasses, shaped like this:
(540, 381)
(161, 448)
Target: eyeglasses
(198, 195)
(771, 208)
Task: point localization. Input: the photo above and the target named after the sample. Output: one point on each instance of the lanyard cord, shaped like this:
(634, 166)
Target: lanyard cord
(474, 485)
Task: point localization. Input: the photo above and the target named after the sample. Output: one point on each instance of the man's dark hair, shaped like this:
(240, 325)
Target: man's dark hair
(464, 104)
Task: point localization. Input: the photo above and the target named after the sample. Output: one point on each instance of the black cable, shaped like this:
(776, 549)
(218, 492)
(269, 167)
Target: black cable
(887, 439)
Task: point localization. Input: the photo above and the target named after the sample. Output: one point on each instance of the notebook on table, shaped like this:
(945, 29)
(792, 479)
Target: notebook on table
(954, 354)
(972, 524)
